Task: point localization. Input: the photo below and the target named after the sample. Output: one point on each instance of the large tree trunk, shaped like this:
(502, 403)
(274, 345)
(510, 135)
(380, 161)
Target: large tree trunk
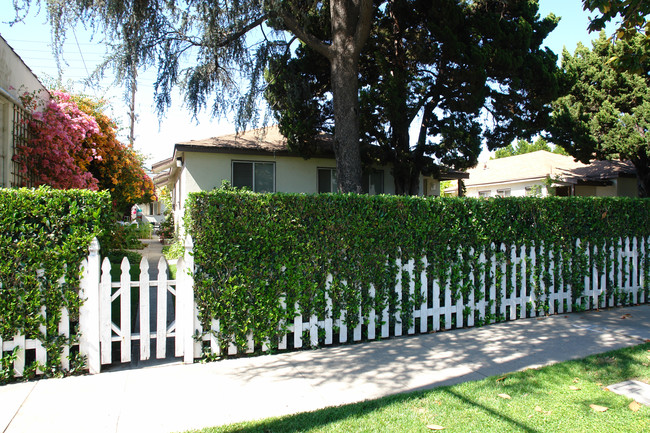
(642, 165)
(345, 90)
(351, 21)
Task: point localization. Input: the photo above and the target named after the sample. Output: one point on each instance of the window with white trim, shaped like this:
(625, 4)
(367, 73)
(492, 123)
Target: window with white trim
(327, 180)
(372, 182)
(256, 176)
(505, 192)
(486, 193)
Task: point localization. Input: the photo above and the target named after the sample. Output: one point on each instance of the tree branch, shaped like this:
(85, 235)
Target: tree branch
(313, 42)
(363, 25)
(241, 32)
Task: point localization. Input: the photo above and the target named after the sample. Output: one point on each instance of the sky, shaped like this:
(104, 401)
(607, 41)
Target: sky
(155, 137)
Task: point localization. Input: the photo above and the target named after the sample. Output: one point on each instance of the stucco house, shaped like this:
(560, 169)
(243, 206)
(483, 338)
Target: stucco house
(544, 173)
(260, 160)
(15, 79)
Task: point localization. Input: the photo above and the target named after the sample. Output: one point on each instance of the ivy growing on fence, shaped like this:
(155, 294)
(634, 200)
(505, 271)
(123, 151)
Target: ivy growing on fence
(44, 236)
(259, 255)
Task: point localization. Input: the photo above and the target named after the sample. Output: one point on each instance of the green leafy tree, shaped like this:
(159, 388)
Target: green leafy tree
(214, 34)
(446, 65)
(524, 146)
(633, 22)
(605, 113)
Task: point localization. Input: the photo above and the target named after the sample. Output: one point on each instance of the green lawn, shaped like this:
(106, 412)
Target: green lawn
(556, 398)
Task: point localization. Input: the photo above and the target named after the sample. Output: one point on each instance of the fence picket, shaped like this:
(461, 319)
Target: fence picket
(436, 304)
(105, 318)
(297, 328)
(215, 347)
(125, 311)
(282, 344)
(372, 316)
(398, 300)
(64, 329)
(329, 313)
(180, 308)
(145, 337)
(595, 288)
(19, 363)
(313, 330)
(503, 294)
(89, 344)
(448, 306)
(635, 269)
(424, 290)
(410, 265)
(343, 327)
(41, 354)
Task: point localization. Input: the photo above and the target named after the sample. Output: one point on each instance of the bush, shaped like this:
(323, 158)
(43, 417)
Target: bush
(174, 251)
(44, 235)
(251, 250)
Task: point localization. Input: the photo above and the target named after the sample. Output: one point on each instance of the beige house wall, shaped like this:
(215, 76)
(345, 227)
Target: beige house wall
(15, 79)
(517, 189)
(206, 171)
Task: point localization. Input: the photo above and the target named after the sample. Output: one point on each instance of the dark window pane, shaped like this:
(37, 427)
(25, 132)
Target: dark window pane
(324, 180)
(242, 175)
(264, 177)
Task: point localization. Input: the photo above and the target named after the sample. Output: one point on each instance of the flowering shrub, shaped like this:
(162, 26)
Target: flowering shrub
(56, 153)
(74, 144)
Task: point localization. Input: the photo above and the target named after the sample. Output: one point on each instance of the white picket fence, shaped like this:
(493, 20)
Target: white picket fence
(107, 316)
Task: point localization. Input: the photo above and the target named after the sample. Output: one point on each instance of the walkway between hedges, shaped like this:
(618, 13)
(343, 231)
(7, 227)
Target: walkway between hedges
(180, 397)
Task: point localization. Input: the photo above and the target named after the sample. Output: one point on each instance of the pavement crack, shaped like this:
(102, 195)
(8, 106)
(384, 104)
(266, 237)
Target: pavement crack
(19, 408)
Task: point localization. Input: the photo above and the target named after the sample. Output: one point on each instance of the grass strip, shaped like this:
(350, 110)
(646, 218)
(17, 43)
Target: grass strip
(568, 396)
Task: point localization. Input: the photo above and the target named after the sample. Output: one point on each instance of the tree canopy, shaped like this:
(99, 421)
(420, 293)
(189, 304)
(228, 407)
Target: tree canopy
(203, 47)
(605, 113)
(524, 146)
(463, 73)
(634, 22)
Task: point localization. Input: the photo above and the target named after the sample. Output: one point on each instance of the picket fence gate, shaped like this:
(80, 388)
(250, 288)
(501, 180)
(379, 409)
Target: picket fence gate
(106, 315)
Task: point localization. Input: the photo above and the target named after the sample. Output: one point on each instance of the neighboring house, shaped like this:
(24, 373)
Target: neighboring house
(15, 79)
(544, 173)
(261, 161)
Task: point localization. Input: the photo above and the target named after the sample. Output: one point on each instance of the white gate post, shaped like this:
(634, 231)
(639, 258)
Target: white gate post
(187, 292)
(89, 309)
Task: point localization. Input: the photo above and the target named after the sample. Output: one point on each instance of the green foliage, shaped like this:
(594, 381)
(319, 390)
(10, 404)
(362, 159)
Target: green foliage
(524, 146)
(44, 235)
(436, 67)
(258, 255)
(118, 236)
(632, 18)
(605, 114)
(174, 251)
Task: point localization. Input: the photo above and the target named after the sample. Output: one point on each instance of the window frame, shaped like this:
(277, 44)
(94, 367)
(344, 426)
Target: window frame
(333, 187)
(253, 163)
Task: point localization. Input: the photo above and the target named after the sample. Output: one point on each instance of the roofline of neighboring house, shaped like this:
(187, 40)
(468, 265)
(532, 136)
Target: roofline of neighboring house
(5, 93)
(504, 182)
(182, 147)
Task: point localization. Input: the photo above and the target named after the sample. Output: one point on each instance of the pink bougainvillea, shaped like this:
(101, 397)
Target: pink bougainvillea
(55, 153)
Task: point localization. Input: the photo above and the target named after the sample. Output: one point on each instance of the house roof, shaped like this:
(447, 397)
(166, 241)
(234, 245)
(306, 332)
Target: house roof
(519, 168)
(601, 170)
(267, 140)
(542, 164)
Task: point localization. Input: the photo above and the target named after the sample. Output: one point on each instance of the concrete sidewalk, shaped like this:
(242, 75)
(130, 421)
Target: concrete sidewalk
(181, 397)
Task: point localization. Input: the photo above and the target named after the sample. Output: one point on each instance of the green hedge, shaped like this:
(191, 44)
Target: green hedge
(44, 235)
(251, 250)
